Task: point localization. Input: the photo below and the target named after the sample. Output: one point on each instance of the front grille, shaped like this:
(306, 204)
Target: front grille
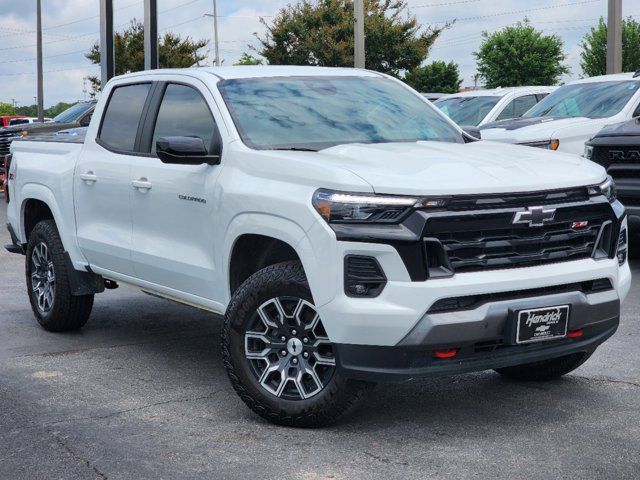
(489, 240)
(476, 202)
(470, 302)
(623, 164)
(5, 142)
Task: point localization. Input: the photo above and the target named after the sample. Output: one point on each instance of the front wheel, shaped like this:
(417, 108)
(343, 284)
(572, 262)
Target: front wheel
(278, 355)
(545, 369)
(48, 284)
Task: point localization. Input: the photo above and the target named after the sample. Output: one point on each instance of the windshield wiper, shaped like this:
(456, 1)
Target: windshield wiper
(296, 149)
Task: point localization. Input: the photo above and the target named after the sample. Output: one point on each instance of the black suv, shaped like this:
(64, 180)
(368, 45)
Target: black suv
(617, 148)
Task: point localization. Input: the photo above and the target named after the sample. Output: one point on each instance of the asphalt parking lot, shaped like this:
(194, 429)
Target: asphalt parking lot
(140, 392)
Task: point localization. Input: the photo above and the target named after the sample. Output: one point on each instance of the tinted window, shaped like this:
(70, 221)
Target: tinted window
(122, 116)
(524, 104)
(320, 112)
(183, 112)
(518, 107)
(468, 111)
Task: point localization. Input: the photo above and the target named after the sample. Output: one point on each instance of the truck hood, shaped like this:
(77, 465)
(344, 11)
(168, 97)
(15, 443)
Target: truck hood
(522, 130)
(630, 128)
(439, 168)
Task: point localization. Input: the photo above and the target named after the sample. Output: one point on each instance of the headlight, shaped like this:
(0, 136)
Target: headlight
(346, 207)
(588, 152)
(606, 188)
(548, 144)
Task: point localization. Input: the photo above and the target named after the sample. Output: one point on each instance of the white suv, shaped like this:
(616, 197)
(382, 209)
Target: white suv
(478, 107)
(347, 230)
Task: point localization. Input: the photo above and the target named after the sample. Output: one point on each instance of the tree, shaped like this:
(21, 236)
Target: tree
(320, 32)
(248, 59)
(438, 76)
(6, 109)
(520, 55)
(593, 57)
(173, 52)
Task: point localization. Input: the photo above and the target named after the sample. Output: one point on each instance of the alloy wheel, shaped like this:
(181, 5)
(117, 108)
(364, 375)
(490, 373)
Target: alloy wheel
(288, 349)
(43, 278)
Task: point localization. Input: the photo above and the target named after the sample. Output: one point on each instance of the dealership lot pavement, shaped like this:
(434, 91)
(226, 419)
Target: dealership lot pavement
(141, 392)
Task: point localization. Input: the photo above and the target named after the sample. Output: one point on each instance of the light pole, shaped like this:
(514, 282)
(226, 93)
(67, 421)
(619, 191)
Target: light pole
(215, 33)
(614, 37)
(358, 50)
(107, 58)
(40, 93)
(150, 34)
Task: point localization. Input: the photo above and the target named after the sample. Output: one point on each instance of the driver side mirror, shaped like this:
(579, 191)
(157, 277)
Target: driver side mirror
(185, 151)
(636, 113)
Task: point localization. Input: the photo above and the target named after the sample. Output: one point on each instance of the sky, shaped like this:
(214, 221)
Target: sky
(70, 27)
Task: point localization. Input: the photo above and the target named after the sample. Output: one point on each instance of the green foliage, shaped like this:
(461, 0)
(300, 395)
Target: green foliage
(438, 76)
(27, 110)
(593, 57)
(320, 32)
(520, 55)
(6, 109)
(57, 109)
(173, 52)
(248, 59)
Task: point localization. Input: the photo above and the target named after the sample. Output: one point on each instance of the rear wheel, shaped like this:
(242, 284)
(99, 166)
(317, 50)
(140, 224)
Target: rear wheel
(48, 284)
(278, 355)
(545, 369)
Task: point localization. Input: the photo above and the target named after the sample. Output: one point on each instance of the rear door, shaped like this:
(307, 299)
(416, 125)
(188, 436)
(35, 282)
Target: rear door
(173, 210)
(102, 183)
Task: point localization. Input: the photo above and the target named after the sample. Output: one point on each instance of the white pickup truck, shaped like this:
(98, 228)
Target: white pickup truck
(349, 232)
(572, 114)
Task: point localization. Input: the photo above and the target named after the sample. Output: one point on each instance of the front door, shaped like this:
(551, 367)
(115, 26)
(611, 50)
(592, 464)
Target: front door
(173, 210)
(102, 183)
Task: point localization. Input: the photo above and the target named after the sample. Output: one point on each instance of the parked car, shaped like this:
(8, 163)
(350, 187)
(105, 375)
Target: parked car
(5, 119)
(571, 115)
(617, 148)
(27, 120)
(78, 115)
(343, 247)
(478, 107)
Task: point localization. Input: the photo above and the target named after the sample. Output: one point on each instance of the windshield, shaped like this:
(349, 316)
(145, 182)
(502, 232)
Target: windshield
(313, 113)
(593, 100)
(467, 110)
(72, 114)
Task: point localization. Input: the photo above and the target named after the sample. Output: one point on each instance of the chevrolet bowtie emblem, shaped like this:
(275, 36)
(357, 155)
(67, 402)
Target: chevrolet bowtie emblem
(535, 216)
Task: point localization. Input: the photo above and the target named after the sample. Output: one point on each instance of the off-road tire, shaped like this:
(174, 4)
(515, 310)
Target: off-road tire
(68, 312)
(340, 395)
(546, 369)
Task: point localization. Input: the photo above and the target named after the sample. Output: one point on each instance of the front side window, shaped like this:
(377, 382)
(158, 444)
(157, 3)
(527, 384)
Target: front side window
(593, 100)
(183, 112)
(122, 116)
(467, 111)
(518, 107)
(320, 112)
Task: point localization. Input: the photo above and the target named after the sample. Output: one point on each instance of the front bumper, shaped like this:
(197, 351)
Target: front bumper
(481, 338)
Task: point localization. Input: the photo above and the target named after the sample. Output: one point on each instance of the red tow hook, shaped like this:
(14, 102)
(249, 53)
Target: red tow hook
(448, 353)
(575, 333)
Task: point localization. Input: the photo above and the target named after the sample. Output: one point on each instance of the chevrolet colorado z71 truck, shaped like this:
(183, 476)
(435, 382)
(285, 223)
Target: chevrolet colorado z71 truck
(349, 232)
(617, 149)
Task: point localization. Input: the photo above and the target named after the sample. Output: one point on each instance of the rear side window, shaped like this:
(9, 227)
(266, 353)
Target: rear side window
(122, 116)
(183, 112)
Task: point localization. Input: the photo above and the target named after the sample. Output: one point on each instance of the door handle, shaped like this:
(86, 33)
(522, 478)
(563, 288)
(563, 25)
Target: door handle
(141, 184)
(89, 177)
